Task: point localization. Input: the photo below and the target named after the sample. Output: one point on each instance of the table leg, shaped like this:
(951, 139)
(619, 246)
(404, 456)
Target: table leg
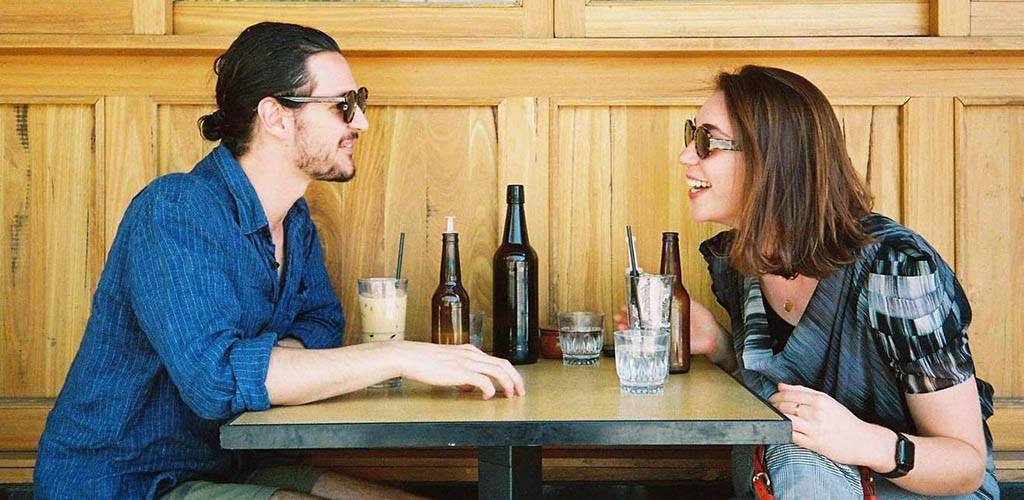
(509, 472)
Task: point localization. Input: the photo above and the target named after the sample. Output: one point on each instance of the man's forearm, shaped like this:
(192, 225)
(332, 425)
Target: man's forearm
(299, 376)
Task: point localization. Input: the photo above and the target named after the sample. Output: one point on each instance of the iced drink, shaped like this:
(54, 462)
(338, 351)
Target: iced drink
(382, 305)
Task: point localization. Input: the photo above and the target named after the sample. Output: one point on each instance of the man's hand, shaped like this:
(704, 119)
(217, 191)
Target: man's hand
(463, 365)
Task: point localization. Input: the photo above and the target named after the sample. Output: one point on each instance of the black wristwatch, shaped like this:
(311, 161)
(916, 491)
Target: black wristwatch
(904, 457)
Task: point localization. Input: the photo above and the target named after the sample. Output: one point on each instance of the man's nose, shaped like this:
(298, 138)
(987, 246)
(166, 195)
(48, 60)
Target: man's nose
(359, 121)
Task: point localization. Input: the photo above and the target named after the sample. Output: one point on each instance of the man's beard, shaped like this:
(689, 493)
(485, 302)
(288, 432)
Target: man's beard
(318, 164)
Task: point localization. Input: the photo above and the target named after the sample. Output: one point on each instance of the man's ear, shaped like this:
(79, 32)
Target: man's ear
(272, 117)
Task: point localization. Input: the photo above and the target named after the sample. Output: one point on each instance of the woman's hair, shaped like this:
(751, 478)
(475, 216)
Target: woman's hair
(802, 198)
(266, 59)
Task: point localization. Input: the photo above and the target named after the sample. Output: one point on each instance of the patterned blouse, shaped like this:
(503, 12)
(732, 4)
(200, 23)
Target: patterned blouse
(892, 322)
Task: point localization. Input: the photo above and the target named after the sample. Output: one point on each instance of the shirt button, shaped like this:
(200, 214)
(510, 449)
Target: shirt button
(275, 265)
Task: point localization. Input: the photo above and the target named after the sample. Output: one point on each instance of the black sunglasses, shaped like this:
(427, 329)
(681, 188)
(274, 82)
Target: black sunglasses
(702, 141)
(346, 102)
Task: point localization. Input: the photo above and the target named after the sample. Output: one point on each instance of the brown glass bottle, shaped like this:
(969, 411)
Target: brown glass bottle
(679, 336)
(449, 307)
(516, 327)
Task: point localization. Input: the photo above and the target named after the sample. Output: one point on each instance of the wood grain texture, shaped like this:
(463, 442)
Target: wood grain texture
(582, 276)
(872, 136)
(152, 17)
(928, 190)
(752, 18)
(179, 144)
(997, 18)
(66, 16)
(570, 18)
(950, 17)
(523, 155)
(990, 220)
(411, 173)
(391, 19)
(130, 134)
(49, 213)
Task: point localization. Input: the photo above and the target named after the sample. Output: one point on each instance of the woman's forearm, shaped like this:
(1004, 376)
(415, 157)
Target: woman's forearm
(943, 466)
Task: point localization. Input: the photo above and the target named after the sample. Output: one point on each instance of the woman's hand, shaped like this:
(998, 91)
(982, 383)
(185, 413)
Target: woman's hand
(822, 425)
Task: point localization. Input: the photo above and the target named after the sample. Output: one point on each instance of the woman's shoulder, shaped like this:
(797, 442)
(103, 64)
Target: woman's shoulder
(897, 249)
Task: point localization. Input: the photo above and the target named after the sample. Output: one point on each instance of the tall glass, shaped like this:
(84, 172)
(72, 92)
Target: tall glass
(651, 306)
(382, 305)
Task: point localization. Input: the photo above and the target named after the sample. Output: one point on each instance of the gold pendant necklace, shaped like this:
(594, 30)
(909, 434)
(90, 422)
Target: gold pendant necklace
(788, 306)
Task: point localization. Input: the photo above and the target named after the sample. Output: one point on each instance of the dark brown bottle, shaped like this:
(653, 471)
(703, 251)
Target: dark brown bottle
(679, 336)
(516, 327)
(449, 307)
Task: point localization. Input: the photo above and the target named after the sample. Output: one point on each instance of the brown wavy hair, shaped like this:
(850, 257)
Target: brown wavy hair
(803, 200)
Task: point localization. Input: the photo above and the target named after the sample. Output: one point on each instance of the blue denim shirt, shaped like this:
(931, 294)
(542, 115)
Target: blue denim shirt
(183, 320)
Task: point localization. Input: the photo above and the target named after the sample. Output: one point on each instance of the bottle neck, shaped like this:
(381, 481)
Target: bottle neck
(670, 258)
(515, 225)
(451, 271)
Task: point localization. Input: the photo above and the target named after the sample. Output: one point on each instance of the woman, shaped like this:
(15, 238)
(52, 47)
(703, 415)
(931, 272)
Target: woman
(847, 322)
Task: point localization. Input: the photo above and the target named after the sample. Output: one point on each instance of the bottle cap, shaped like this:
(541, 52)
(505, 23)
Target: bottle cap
(514, 193)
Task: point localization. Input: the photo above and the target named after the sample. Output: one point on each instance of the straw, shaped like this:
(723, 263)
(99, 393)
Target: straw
(401, 250)
(633, 273)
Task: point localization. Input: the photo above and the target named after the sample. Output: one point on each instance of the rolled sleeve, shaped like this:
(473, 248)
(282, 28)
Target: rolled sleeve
(184, 301)
(920, 315)
(250, 360)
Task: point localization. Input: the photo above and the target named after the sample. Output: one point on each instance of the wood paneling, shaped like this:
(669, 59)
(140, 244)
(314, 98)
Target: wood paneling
(53, 242)
(528, 18)
(415, 165)
(997, 18)
(129, 135)
(180, 145)
(752, 18)
(66, 16)
(872, 135)
(990, 220)
(152, 17)
(950, 17)
(928, 191)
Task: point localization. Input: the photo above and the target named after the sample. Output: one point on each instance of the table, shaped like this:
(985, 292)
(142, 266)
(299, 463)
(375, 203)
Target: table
(564, 405)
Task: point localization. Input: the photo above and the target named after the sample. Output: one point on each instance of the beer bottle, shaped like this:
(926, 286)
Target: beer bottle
(449, 307)
(679, 335)
(516, 327)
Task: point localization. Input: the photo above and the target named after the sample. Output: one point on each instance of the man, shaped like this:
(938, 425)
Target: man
(215, 300)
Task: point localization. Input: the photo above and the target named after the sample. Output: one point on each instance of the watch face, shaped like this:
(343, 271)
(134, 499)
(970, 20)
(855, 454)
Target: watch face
(904, 457)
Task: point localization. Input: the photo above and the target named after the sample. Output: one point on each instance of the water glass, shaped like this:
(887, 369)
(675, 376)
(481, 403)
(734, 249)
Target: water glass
(581, 336)
(641, 360)
(476, 329)
(652, 307)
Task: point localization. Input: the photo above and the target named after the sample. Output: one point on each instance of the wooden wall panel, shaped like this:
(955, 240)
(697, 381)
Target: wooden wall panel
(928, 191)
(411, 173)
(872, 135)
(581, 237)
(129, 136)
(66, 16)
(53, 244)
(997, 18)
(990, 221)
(179, 144)
(754, 18)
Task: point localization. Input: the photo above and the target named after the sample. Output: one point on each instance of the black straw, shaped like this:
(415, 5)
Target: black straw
(401, 250)
(633, 273)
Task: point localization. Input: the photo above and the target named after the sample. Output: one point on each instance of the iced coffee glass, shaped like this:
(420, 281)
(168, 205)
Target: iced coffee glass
(382, 305)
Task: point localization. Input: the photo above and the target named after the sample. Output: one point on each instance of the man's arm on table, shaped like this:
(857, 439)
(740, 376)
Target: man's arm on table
(298, 376)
